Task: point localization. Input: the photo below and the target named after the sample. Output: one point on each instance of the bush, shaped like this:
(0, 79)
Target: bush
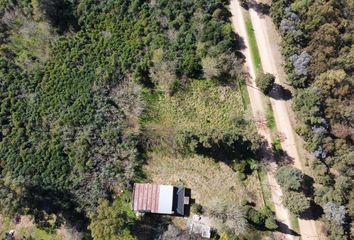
(289, 178)
(263, 218)
(239, 166)
(230, 217)
(296, 202)
(242, 168)
(268, 214)
(197, 208)
(265, 81)
(255, 217)
(271, 224)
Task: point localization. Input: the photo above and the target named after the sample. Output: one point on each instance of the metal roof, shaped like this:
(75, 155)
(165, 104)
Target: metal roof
(163, 199)
(146, 197)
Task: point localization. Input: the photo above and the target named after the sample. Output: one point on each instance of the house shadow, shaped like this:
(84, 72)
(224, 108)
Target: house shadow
(260, 8)
(283, 228)
(278, 92)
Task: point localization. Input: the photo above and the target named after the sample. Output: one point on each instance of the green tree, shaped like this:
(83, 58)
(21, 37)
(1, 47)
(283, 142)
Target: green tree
(289, 178)
(12, 192)
(296, 202)
(265, 81)
(110, 221)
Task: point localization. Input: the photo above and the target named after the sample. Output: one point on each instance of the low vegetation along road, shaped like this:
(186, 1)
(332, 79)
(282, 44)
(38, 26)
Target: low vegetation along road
(271, 63)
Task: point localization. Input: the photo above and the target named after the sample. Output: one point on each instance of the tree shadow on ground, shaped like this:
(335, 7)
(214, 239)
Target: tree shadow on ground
(260, 8)
(240, 42)
(151, 226)
(43, 203)
(280, 156)
(283, 228)
(307, 186)
(278, 92)
(60, 14)
(285, 159)
(226, 153)
(314, 212)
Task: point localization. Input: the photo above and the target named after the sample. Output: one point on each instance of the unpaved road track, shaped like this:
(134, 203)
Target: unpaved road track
(258, 112)
(269, 51)
(271, 62)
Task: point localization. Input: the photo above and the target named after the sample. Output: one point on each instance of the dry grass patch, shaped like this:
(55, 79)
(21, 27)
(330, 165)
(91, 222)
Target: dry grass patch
(203, 107)
(209, 180)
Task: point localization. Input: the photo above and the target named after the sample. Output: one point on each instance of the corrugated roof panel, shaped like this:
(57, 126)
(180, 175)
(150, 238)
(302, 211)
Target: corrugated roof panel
(146, 197)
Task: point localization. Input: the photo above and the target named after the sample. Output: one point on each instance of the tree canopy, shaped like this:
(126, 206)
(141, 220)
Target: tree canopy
(265, 81)
(289, 178)
(317, 45)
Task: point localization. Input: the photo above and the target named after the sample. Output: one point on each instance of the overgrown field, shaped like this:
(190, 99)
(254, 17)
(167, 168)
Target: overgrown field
(209, 181)
(208, 112)
(203, 115)
(203, 138)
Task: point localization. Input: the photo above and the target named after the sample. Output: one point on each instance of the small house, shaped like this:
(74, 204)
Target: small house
(160, 199)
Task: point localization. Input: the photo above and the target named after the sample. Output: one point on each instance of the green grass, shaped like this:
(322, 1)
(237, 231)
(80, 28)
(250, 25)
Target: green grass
(151, 99)
(244, 94)
(277, 150)
(253, 44)
(267, 195)
(270, 117)
(294, 223)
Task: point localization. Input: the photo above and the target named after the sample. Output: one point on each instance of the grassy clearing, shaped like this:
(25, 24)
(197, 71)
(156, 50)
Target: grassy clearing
(204, 105)
(270, 117)
(209, 180)
(253, 44)
(204, 109)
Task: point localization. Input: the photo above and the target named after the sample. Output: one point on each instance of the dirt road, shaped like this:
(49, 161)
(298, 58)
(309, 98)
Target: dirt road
(271, 62)
(258, 112)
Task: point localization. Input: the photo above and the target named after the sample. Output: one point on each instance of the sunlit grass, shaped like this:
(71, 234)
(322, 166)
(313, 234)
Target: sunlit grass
(270, 117)
(253, 44)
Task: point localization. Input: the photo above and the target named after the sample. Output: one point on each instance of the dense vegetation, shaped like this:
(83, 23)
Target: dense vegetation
(78, 82)
(318, 48)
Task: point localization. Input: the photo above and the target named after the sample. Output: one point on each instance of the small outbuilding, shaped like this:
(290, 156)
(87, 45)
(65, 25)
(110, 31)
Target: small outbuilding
(160, 199)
